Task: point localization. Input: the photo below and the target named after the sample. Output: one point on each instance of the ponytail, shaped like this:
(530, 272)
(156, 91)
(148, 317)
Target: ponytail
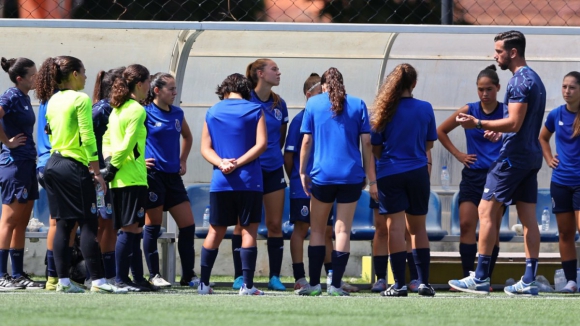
(123, 85)
(53, 72)
(332, 78)
(158, 80)
(576, 125)
(104, 83)
(252, 76)
(402, 78)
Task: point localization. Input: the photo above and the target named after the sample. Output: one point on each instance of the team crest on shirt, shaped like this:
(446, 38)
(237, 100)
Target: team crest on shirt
(153, 197)
(177, 125)
(93, 208)
(25, 194)
(158, 124)
(141, 212)
(278, 114)
(109, 209)
(304, 211)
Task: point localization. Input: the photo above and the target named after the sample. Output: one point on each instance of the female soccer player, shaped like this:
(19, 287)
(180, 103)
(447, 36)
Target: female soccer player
(102, 109)
(403, 132)
(264, 74)
(333, 124)
(565, 185)
(234, 136)
(69, 185)
(18, 184)
(482, 150)
(125, 169)
(299, 200)
(166, 124)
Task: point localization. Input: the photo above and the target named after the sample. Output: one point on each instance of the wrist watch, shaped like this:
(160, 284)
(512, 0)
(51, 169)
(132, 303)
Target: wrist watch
(478, 125)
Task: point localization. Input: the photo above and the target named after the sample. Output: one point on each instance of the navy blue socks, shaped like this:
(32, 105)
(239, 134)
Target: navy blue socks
(482, 270)
(208, 257)
(236, 246)
(380, 263)
(4, 254)
(531, 268)
(150, 235)
(467, 253)
(412, 266)
(327, 266)
(249, 256)
(339, 261)
(109, 264)
(494, 255)
(315, 261)
(186, 250)
(17, 258)
(275, 255)
(123, 251)
(398, 262)
(423, 261)
(137, 260)
(50, 265)
(569, 268)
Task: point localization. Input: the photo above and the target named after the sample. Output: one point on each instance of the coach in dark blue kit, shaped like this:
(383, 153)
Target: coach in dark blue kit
(166, 163)
(403, 130)
(234, 136)
(512, 178)
(334, 125)
(19, 187)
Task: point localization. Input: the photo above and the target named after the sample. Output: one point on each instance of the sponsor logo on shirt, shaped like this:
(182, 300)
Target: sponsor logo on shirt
(304, 211)
(278, 114)
(177, 125)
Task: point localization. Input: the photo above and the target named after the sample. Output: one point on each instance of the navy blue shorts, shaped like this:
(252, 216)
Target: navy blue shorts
(341, 193)
(300, 211)
(408, 191)
(227, 208)
(18, 181)
(471, 185)
(165, 189)
(509, 184)
(273, 180)
(70, 189)
(129, 205)
(564, 198)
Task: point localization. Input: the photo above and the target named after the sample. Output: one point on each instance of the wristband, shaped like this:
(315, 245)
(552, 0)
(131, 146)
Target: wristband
(372, 183)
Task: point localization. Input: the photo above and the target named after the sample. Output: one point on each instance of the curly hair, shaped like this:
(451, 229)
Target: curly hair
(54, 71)
(332, 78)
(123, 85)
(402, 78)
(252, 75)
(235, 83)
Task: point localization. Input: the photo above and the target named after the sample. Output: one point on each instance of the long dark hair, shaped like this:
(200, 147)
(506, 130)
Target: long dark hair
(400, 79)
(104, 83)
(158, 80)
(332, 78)
(125, 84)
(16, 67)
(54, 71)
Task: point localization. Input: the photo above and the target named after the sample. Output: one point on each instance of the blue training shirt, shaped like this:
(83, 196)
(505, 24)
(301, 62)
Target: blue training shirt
(43, 146)
(404, 138)
(486, 151)
(522, 149)
(561, 121)
(163, 137)
(336, 156)
(18, 118)
(232, 125)
(272, 159)
(293, 145)
(101, 112)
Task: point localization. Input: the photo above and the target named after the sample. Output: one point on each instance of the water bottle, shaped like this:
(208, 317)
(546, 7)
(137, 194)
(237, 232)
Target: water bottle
(559, 280)
(545, 219)
(286, 227)
(100, 195)
(328, 280)
(445, 179)
(206, 217)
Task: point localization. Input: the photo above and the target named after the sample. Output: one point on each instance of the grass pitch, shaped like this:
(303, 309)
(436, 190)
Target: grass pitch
(183, 306)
